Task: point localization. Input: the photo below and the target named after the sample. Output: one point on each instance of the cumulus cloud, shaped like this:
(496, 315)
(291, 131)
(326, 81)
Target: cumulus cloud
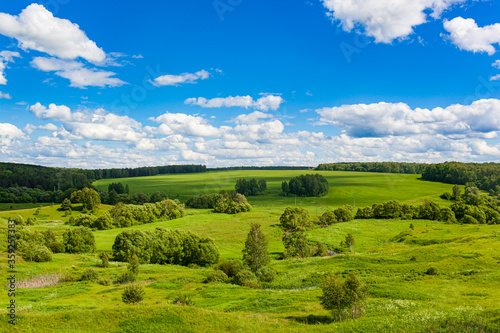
(255, 117)
(6, 57)
(385, 20)
(466, 34)
(30, 128)
(495, 77)
(181, 123)
(8, 133)
(264, 103)
(398, 119)
(97, 125)
(174, 80)
(35, 28)
(74, 71)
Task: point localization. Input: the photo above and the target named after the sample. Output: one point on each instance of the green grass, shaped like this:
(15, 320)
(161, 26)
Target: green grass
(17, 206)
(365, 188)
(462, 297)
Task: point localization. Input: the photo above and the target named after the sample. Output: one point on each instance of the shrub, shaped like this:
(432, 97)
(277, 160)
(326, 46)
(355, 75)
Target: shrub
(79, 240)
(32, 251)
(266, 274)
(182, 299)
(230, 267)
(344, 213)
(364, 213)
(328, 218)
(447, 215)
(125, 277)
(431, 271)
(294, 218)
(57, 247)
(247, 279)
(133, 265)
(105, 259)
(89, 275)
(446, 196)
(130, 242)
(217, 276)
(85, 220)
(133, 294)
(104, 282)
(467, 219)
(103, 222)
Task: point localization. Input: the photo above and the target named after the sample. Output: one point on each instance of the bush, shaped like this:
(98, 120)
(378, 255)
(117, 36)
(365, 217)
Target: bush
(266, 274)
(32, 251)
(364, 213)
(217, 276)
(467, 219)
(344, 213)
(308, 185)
(89, 275)
(105, 259)
(79, 240)
(85, 220)
(431, 271)
(133, 294)
(57, 247)
(125, 277)
(133, 265)
(103, 222)
(104, 282)
(231, 267)
(182, 299)
(446, 196)
(130, 242)
(328, 218)
(247, 279)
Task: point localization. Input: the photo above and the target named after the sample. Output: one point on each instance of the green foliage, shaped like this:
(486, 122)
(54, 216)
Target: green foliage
(103, 222)
(33, 251)
(217, 276)
(230, 267)
(133, 265)
(79, 240)
(250, 187)
(66, 205)
(296, 244)
(255, 253)
(88, 197)
(133, 294)
(344, 213)
(247, 279)
(342, 297)
(328, 218)
(125, 277)
(85, 220)
(431, 271)
(104, 282)
(349, 241)
(57, 247)
(182, 299)
(104, 259)
(446, 196)
(231, 203)
(129, 215)
(456, 192)
(364, 213)
(295, 218)
(265, 274)
(447, 215)
(165, 246)
(467, 219)
(308, 185)
(89, 275)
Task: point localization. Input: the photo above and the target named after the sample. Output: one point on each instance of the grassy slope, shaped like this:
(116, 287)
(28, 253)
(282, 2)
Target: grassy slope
(402, 298)
(366, 187)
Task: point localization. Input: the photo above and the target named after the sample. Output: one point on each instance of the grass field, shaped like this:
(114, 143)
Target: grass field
(462, 297)
(361, 188)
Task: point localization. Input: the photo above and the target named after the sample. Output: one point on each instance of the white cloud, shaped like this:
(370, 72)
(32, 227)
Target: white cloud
(30, 128)
(6, 57)
(495, 77)
(180, 123)
(56, 112)
(496, 64)
(5, 95)
(37, 29)
(74, 71)
(389, 119)
(173, 80)
(8, 133)
(385, 20)
(265, 103)
(252, 118)
(466, 34)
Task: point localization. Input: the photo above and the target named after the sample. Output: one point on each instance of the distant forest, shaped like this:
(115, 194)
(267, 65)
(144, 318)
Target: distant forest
(389, 167)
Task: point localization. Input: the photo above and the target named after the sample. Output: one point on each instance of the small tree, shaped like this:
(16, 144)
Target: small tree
(255, 252)
(456, 192)
(133, 265)
(349, 241)
(79, 240)
(334, 296)
(262, 186)
(133, 294)
(66, 205)
(105, 259)
(356, 293)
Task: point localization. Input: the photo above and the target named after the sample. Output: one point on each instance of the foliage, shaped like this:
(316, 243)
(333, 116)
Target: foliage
(33, 251)
(89, 275)
(217, 276)
(308, 185)
(255, 253)
(230, 267)
(344, 213)
(165, 246)
(88, 197)
(57, 247)
(328, 218)
(133, 265)
(389, 167)
(182, 299)
(265, 274)
(343, 296)
(231, 203)
(79, 240)
(294, 218)
(104, 259)
(247, 279)
(125, 277)
(349, 241)
(250, 187)
(129, 215)
(66, 205)
(132, 294)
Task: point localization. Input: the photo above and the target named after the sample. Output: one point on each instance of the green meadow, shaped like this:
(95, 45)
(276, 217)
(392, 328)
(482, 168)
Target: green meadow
(391, 258)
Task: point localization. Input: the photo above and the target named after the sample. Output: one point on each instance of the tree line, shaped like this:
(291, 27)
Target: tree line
(306, 186)
(388, 167)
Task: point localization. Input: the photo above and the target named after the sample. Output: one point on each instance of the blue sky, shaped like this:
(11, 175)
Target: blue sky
(234, 82)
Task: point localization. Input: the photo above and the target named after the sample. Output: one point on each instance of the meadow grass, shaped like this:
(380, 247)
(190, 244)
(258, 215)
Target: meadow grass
(388, 256)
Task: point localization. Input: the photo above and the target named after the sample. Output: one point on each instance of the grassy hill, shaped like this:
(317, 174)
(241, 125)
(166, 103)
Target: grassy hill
(390, 257)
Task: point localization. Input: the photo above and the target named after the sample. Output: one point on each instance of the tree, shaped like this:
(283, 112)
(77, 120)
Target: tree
(79, 240)
(262, 186)
(105, 259)
(294, 218)
(133, 265)
(133, 294)
(349, 241)
(334, 296)
(66, 205)
(344, 213)
(88, 197)
(340, 295)
(285, 188)
(255, 253)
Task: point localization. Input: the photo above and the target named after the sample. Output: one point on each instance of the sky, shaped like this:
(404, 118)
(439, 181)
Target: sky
(101, 84)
